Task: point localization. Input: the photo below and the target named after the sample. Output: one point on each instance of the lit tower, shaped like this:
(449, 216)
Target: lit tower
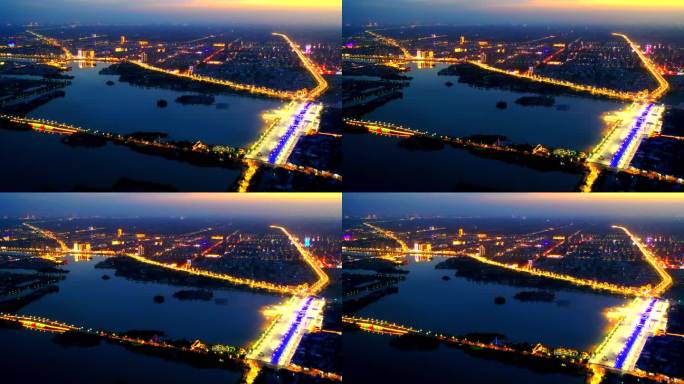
(122, 40)
(119, 232)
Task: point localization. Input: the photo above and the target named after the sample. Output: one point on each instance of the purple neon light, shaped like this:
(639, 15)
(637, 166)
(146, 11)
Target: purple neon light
(620, 359)
(632, 134)
(290, 332)
(273, 156)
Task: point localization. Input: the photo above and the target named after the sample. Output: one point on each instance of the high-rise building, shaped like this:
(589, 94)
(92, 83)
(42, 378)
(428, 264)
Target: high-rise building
(461, 232)
(462, 40)
(119, 232)
(122, 40)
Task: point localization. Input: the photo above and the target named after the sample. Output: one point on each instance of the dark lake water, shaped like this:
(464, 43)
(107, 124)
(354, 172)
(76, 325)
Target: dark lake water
(461, 110)
(118, 304)
(460, 306)
(377, 163)
(124, 108)
(369, 358)
(36, 162)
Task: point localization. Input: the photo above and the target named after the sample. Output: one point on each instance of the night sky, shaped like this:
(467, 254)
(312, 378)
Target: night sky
(506, 12)
(545, 205)
(254, 205)
(239, 12)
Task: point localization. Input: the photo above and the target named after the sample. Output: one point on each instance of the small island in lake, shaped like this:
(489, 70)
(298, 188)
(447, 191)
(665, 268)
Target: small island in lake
(499, 300)
(501, 105)
(158, 299)
(109, 82)
(161, 103)
(105, 277)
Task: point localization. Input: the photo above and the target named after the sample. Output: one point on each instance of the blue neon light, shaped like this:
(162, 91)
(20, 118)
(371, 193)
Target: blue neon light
(290, 332)
(273, 156)
(620, 359)
(628, 141)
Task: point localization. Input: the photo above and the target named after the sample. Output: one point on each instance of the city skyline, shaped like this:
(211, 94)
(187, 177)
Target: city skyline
(253, 205)
(566, 205)
(507, 12)
(234, 12)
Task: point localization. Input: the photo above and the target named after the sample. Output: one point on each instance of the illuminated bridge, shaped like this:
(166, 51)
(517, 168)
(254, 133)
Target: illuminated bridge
(291, 321)
(393, 329)
(38, 323)
(288, 125)
(633, 124)
(641, 319)
(45, 126)
(384, 128)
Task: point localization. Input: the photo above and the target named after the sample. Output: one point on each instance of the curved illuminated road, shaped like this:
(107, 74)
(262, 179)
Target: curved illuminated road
(620, 349)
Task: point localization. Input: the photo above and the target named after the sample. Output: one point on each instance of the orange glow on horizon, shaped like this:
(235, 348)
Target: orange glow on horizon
(619, 5)
(257, 5)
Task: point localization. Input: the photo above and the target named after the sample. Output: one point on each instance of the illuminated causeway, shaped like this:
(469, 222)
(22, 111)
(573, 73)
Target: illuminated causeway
(633, 124)
(292, 320)
(288, 124)
(642, 318)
